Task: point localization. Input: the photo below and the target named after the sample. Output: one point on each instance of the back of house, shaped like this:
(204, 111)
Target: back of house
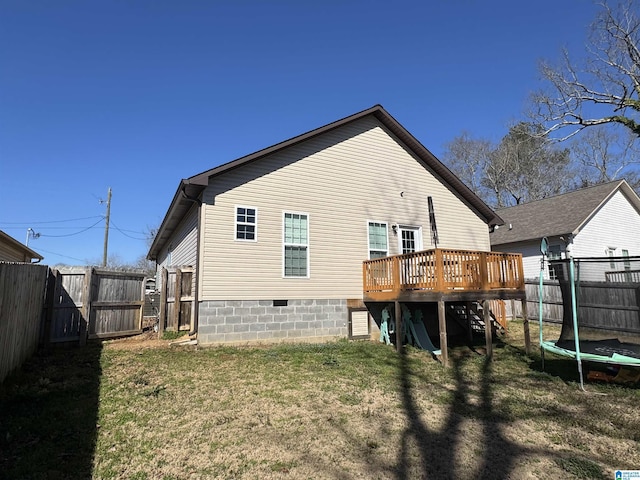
(276, 239)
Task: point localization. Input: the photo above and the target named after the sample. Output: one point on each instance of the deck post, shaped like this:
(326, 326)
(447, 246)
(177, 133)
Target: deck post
(484, 271)
(442, 323)
(439, 258)
(486, 313)
(399, 327)
(525, 326)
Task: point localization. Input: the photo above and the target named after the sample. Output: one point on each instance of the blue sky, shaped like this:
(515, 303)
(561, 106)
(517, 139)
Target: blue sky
(135, 95)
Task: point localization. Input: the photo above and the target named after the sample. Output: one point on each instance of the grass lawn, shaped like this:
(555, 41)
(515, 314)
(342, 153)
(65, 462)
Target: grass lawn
(143, 410)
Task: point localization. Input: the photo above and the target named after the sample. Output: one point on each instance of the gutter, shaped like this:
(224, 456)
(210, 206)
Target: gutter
(196, 301)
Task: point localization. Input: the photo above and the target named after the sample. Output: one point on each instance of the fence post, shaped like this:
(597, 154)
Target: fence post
(163, 302)
(176, 304)
(52, 279)
(87, 291)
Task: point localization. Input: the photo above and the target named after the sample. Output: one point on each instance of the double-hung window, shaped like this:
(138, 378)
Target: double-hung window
(555, 253)
(246, 223)
(296, 245)
(378, 246)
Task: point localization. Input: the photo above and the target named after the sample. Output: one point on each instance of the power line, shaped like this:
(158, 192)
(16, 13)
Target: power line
(64, 256)
(126, 235)
(72, 234)
(51, 221)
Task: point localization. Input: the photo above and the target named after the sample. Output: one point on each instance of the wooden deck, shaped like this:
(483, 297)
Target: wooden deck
(440, 274)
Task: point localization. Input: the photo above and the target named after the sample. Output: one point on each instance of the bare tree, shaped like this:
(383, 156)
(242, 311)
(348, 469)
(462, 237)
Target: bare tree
(604, 154)
(468, 158)
(604, 88)
(522, 167)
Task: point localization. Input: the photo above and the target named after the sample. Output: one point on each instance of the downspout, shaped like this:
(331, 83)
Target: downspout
(196, 312)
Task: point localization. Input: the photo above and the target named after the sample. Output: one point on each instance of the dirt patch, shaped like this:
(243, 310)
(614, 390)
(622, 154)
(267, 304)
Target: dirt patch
(146, 340)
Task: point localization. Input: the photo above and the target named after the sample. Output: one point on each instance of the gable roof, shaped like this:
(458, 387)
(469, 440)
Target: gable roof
(564, 214)
(190, 189)
(18, 247)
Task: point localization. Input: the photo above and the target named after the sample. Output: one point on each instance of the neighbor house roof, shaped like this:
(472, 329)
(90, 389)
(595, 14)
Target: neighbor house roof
(564, 214)
(191, 188)
(11, 250)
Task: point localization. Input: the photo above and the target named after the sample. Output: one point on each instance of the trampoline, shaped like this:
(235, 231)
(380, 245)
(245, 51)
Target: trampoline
(600, 311)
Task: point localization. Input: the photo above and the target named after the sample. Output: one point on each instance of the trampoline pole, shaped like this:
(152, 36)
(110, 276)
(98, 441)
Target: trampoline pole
(540, 292)
(574, 312)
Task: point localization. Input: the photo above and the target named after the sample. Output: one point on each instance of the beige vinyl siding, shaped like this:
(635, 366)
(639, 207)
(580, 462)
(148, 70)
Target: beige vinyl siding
(183, 244)
(342, 179)
(9, 253)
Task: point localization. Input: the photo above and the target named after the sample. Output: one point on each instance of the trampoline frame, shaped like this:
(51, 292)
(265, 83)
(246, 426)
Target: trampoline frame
(579, 356)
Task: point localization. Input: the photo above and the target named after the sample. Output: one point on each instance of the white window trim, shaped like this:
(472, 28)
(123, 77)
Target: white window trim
(386, 226)
(418, 229)
(236, 223)
(308, 275)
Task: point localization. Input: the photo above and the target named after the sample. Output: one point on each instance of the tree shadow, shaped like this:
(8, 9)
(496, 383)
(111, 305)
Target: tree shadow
(49, 413)
(438, 447)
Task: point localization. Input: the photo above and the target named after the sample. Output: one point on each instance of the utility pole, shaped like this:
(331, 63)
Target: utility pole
(106, 229)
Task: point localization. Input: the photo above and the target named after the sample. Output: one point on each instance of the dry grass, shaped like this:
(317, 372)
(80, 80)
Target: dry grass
(335, 411)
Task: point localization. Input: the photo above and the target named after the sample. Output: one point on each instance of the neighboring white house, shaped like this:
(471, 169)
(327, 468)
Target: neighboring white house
(277, 238)
(598, 221)
(11, 250)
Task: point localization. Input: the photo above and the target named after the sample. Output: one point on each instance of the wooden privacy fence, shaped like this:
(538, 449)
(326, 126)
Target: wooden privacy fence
(22, 288)
(93, 303)
(601, 305)
(176, 299)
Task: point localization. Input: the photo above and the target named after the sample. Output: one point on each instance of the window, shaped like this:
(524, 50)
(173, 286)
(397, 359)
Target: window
(246, 223)
(296, 245)
(627, 262)
(378, 240)
(611, 253)
(410, 239)
(555, 271)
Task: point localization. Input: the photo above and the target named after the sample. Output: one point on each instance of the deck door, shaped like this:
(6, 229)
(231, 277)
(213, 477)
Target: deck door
(409, 238)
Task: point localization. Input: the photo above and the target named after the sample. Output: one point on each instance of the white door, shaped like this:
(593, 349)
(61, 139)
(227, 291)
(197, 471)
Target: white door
(410, 239)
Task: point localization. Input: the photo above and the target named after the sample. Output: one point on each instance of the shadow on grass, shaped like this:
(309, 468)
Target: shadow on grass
(439, 448)
(48, 420)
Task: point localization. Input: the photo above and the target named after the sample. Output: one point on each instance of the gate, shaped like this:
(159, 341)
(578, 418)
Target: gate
(88, 302)
(177, 299)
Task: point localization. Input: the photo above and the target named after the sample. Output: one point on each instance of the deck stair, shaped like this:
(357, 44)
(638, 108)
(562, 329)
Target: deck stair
(471, 313)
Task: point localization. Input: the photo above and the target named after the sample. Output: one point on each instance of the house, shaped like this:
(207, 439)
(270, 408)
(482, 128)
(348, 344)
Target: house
(275, 241)
(597, 221)
(11, 250)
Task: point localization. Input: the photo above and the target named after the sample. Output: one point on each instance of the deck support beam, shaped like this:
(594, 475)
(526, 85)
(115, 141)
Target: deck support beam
(486, 312)
(399, 327)
(525, 326)
(442, 323)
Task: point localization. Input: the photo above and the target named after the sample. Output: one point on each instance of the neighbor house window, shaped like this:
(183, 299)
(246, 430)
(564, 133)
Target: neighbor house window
(555, 253)
(296, 245)
(245, 223)
(378, 246)
(627, 262)
(611, 253)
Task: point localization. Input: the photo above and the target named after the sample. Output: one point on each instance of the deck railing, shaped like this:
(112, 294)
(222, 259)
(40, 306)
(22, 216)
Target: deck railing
(441, 270)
